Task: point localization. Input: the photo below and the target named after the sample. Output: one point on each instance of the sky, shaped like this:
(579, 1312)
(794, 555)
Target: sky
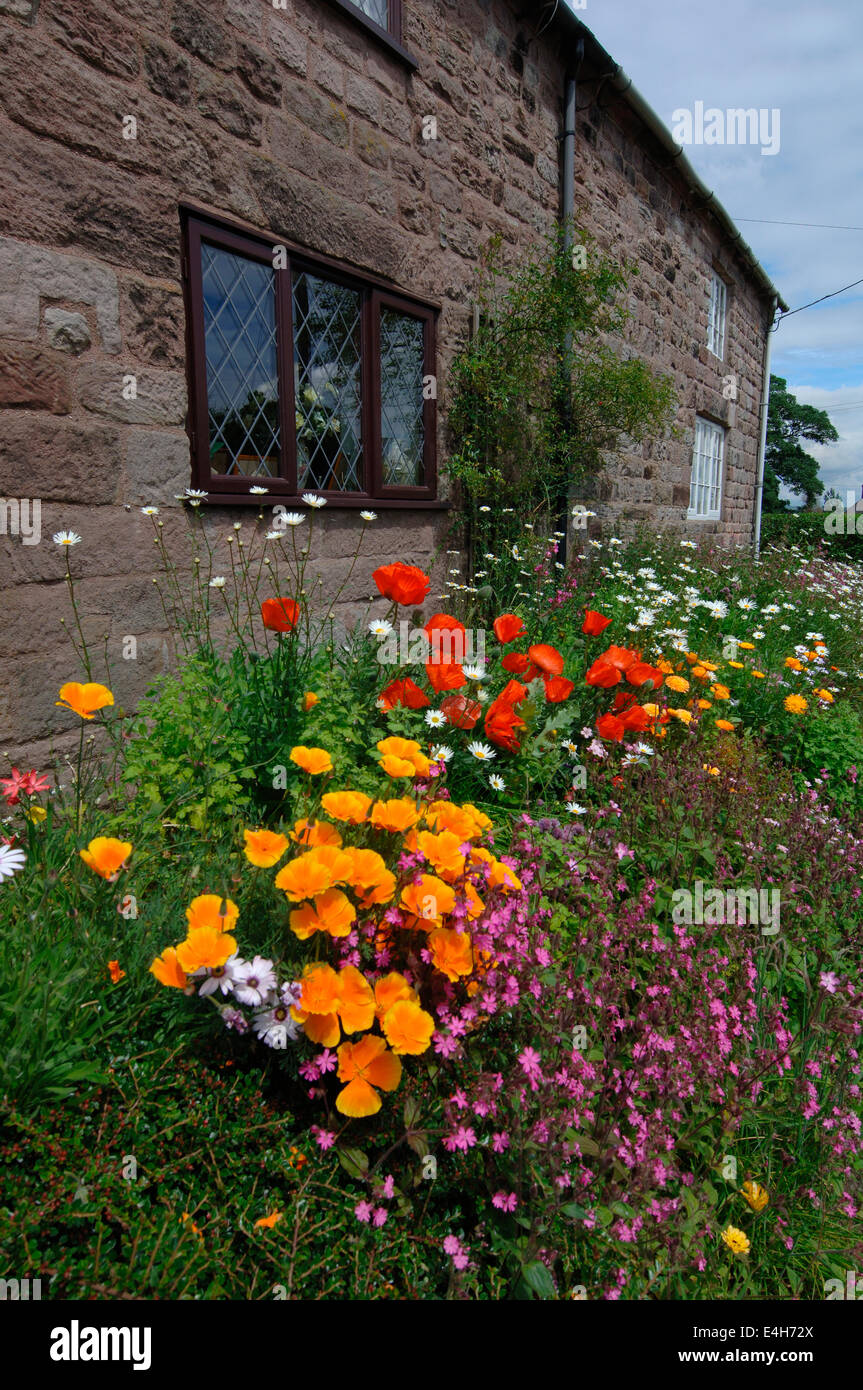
(802, 57)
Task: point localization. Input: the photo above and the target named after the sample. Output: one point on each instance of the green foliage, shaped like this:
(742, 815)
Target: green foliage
(538, 395)
(816, 530)
(786, 461)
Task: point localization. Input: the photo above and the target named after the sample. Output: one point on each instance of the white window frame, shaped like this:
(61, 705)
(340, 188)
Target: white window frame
(705, 482)
(716, 316)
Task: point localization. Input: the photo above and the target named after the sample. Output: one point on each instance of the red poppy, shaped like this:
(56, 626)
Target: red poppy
(602, 673)
(594, 623)
(609, 726)
(548, 659)
(404, 692)
(445, 675)
(501, 720)
(404, 584)
(636, 719)
(640, 672)
(520, 664)
(507, 627)
(280, 614)
(512, 694)
(446, 637)
(557, 688)
(461, 712)
(621, 657)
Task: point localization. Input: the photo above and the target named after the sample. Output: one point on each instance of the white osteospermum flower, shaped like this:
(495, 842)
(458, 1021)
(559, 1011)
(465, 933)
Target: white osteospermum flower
(67, 538)
(220, 977)
(312, 499)
(483, 752)
(254, 980)
(441, 753)
(276, 1026)
(474, 673)
(258, 491)
(11, 860)
(217, 582)
(435, 718)
(369, 516)
(379, 627)
(497, 783)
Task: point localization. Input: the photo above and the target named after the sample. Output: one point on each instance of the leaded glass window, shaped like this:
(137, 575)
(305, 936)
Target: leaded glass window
(327, 390)
(378, 10)
(402, 431)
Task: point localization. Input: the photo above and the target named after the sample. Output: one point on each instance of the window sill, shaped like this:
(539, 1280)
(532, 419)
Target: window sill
(369, 504)
(382, 35)
(713, 516)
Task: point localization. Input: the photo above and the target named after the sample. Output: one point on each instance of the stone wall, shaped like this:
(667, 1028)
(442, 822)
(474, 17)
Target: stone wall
(299, 122)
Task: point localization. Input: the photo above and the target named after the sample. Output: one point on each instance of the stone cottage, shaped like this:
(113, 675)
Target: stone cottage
(236, 251)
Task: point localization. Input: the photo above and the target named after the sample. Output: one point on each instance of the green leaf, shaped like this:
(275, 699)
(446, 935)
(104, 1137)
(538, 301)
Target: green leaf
(354, 1161)
(538, 1279)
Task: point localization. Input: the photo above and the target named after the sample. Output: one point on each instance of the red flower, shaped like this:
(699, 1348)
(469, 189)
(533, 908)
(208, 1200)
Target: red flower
(445, 675)
(501, 720)
(280, 614)
(28, 782)
(609, 726)
(640, 672)
(507, 627)
(557, 688)
(518, 664)
(446, 637)
(594, 623)
(621, 657)
(404, 692)
(636, 719)
(512, 694)
(461, 712)
(548, 659)
(405, 584)
(602, 673)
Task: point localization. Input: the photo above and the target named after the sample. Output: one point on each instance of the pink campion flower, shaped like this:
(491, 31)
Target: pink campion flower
(829, 980)
(464, 1138)
(459, 1099)
(327, 1061)
(324, 1138)
(460, 1261)
(388, 1187)
(309, 1070)
(529, 1061)
(380, 1216)
(500, 1142)
(363, 1211)
(451, 1245)
(623, 851)
(505, 1201)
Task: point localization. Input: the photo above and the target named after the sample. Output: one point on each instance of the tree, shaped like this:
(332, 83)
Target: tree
(786, 461)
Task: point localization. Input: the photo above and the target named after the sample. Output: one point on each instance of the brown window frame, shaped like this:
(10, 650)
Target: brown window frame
(376, 295)
(391, 36)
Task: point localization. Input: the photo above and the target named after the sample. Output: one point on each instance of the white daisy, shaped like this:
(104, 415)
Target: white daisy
(369, 516)
(149, 511)
(441, 753)
(483, 752)
(292, 519)
(218, 582)
(688, 545)
(258, 491)
(475, 673)
(67, 538)
(11, 860)
(644, 749)
(747, 604)
(718, 609)
(273, 536)
(435, 718)
(574, 808)
(569, 746)
(496, 783)
(312, 499)
(485, 509)
(379, 627)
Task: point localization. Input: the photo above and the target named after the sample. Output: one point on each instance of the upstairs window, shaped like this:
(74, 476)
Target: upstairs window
(705, 483)
(305, 377)
(383, 17)
(716, 316)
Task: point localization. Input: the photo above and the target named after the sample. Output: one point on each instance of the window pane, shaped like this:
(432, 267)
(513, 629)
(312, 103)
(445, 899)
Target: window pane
(376, 10)
(402, 431)
(242, 376)
(327, 384)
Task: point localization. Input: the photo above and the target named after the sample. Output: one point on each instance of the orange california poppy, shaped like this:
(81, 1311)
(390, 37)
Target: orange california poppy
(404, 584)
(508, 627)
(314, 872)
(310, 699)
(264, 847)
(460, 711)
(86, 699)
(268, 1221)
(404, 692)
(316, 832)
(168, 970)
(106, 857)
(548, 659)
(396, 767)
(443, 851)
(594, 623)
(451, 952)
(280, 614)
(370, 878)
(407, 749)
(212, 910)
(428, 900)
(364, 1065)
(389, 989)
(331, 912)
(205, 948)
(445, 815)
(397, 815)
(602, 674)
(312, 760)
(115, 972)
(357, 1000)
(609, 726)
(350, 806)
(407, 1028)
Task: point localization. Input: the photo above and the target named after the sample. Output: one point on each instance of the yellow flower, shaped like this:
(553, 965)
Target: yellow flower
(713, 771)
(678, 683)
(736, 1240)
(106, 857)
(725, 724)
(310, 699)
(705, 704)
(720, 692)
(684, 715)
(759, 675)
(38, 813)
(264, 847)
(824, 695)
(756, 1195)
(793, 664)
(700, 672)
(268, 1221)
(738, 665)
(795, 704)
(312, 760)
(747, 646)
(84, 699)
